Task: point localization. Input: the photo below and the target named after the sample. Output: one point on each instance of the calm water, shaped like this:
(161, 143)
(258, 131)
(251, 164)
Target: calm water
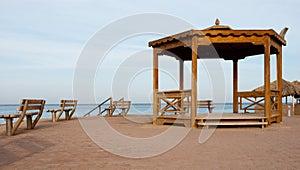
(135, 109)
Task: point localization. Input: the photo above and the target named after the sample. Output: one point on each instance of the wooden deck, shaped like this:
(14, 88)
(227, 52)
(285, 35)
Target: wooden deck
(226, 119)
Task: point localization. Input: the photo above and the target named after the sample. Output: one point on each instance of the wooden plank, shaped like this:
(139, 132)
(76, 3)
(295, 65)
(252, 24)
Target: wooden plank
(231, 118)
(68, 105)
(34, 107)
(32, 101)
(69, 101)
(235, 123)
(32, 113)
(228, 116)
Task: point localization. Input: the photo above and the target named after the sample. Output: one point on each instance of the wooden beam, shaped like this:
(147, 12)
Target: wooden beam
(194, 80)
(235, 86)
(267, 83)
(242, 39)
(181, 74)
(155, 84)
(279, 84)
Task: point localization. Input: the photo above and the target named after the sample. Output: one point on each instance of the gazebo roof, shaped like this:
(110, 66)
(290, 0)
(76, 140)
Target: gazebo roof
(229, 44)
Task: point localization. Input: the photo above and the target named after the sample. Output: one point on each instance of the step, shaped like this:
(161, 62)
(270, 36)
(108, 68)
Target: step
(233, 123)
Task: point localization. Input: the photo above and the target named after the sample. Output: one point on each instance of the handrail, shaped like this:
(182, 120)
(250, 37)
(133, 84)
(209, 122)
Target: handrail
(98, 106)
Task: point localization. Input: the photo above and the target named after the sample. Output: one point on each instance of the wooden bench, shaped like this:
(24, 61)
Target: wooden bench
(67, 106)
(121, 104)
(201, 104)
(28, 108)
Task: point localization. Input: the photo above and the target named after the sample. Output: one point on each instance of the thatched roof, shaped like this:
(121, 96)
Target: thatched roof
(288, 88)
(297, 84)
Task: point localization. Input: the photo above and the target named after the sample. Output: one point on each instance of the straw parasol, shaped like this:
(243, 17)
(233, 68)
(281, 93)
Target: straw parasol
(288, 88)
(297, 84)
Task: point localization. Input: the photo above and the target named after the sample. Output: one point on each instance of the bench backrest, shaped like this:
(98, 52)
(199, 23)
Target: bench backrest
(68, 104)
(31, 105)
(121, 103)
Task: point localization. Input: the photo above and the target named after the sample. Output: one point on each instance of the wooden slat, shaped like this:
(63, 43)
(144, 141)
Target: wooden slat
(234, 123)
(68, 101)
(32, 101)
(68, 104)
(31, 107)
(32, 113)
(232, 118)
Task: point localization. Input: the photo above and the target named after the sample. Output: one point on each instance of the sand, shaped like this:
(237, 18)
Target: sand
(65, 145)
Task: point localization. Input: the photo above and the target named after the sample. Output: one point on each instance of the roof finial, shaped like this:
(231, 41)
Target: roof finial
(217, 22)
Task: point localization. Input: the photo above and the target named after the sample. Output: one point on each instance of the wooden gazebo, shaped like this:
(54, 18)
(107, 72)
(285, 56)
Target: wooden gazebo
(229, 44)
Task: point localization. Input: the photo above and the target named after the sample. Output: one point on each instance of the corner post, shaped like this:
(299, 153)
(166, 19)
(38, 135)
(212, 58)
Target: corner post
(155, 85)
(194, 80)
(279, 84)
(235, 86)
(267, 83)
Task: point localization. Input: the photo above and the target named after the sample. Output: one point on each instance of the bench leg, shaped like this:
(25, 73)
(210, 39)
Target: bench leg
(9, 126)
(29, 121)
(53, 116)
(108, 112)
(67, 115)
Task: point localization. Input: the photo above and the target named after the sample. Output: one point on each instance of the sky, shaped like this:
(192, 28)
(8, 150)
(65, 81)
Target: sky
(41, 43)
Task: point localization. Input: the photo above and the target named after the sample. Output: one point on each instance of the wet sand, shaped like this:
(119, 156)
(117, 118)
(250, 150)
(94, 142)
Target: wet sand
(65, 145)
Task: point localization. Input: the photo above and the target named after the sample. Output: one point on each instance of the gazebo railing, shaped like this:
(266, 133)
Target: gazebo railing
(172, 101)
(255, 100)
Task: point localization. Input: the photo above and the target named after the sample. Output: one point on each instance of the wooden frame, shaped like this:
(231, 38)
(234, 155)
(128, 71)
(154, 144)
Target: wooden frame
(28, 108)
(67, 106)
(172, 101)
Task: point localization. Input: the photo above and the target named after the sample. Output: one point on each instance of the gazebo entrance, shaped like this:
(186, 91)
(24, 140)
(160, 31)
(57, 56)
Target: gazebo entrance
(230, 45)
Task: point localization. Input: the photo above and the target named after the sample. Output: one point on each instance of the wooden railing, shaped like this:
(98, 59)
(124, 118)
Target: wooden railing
(172, 101)
(256, 98)
(101, 109)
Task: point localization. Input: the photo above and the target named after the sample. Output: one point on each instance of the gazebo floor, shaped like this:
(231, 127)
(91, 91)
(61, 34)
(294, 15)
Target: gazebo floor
(215, 119)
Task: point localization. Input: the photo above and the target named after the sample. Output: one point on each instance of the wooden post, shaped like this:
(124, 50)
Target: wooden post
(181, 74)
(235, 86)
(155, 85)
(53, 116)
(279, 84)
(29, 121)
(9, 126)
(194, 80)
(293, 104)
(267, 108)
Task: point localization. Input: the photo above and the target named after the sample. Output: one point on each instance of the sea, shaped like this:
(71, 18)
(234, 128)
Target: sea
(136, 108)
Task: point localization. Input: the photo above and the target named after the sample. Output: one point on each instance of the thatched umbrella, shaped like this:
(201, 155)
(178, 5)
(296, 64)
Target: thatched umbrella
(288, 88)
(297, 84)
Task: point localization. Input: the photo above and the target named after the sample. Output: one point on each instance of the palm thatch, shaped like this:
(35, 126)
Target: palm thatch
(288, 88)
(297, 84)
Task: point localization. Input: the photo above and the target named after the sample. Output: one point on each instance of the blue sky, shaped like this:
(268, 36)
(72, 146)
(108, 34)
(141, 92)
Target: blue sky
(41, 41)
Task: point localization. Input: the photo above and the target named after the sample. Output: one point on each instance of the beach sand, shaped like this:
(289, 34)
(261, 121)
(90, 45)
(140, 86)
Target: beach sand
(65, 145)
